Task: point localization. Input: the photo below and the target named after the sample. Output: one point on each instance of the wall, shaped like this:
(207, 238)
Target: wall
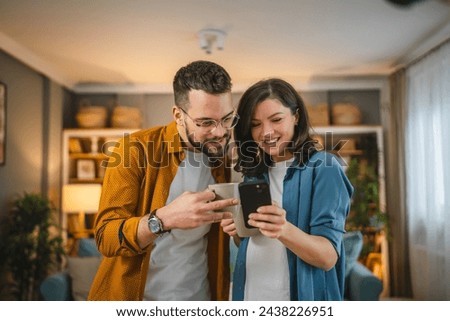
(33, 137)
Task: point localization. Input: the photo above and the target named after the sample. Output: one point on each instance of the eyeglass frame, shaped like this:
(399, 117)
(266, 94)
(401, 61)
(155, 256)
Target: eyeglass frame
(215, 122)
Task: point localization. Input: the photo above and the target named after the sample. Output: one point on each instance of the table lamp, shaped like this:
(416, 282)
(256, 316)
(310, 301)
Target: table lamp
(80, 199)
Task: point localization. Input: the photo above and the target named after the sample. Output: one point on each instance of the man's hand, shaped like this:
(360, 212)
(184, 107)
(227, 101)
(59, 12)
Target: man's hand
(193, 209)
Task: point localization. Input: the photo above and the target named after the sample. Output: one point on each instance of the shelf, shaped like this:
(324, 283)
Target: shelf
(94, 156)
(347, 130)
(100, 132)
(82, 160)
(83, 154)
(98, 180)
(359, 140)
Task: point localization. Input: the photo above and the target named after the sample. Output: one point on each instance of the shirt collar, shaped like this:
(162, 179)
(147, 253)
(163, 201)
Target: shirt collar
(172, 136)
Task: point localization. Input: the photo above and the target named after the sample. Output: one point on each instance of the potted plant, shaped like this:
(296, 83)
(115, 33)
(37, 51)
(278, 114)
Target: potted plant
(31, 245)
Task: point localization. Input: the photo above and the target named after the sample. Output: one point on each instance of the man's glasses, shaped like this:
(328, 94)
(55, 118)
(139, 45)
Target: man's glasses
(228, 122)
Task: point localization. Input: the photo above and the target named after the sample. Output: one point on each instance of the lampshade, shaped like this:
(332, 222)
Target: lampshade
(81, 197)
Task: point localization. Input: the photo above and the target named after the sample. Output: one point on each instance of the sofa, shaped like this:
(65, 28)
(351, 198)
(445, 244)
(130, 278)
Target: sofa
(74, 282)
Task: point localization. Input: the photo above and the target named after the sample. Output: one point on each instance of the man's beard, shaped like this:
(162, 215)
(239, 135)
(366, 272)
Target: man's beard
(211, 152)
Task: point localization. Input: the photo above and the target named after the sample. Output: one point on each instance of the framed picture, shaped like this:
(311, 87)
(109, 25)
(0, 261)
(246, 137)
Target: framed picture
(2, 123)
(85, 169)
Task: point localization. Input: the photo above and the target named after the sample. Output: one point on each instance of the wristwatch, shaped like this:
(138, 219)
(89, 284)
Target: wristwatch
(155, 225)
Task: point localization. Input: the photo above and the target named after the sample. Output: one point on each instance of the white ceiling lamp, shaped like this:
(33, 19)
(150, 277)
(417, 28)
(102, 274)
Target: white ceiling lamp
(209, 37)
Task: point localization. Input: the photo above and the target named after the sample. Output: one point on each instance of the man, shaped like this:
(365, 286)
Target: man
(158, 225)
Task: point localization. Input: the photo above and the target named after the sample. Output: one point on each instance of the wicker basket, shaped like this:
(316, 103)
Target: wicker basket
(318, 115)
(92, 117)
(126, 117)
(346, 114)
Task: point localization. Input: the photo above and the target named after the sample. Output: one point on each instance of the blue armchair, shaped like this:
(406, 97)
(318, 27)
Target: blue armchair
(360, 283)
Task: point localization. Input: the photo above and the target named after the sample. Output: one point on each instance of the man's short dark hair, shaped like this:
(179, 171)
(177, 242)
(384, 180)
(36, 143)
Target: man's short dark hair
(200, 75)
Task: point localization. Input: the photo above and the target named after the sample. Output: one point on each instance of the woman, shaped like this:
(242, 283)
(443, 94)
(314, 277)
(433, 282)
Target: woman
(298, 254)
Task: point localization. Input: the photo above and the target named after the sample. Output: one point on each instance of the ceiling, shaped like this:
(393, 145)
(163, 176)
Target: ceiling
(137, 45)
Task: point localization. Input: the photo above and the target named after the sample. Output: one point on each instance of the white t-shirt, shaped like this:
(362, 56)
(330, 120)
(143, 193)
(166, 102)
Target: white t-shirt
(267, 270)
(178, 262)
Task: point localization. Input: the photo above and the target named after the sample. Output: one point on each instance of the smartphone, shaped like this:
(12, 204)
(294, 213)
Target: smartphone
(253, 194)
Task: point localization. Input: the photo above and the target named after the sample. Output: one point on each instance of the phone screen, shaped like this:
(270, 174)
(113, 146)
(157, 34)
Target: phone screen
(253, 194)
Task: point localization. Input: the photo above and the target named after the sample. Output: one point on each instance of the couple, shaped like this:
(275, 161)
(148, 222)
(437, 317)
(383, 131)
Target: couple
(162, 234)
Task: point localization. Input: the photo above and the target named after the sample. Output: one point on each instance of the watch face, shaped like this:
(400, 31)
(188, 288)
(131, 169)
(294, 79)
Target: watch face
(154, 225)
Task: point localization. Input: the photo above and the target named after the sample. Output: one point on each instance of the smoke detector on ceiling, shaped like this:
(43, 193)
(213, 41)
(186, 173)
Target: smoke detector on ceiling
(210, 37)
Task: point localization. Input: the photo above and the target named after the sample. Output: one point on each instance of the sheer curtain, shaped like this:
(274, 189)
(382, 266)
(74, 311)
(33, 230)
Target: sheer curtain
(427, 159)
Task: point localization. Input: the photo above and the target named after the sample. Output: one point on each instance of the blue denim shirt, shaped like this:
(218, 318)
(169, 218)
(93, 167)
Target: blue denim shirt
(317, 198)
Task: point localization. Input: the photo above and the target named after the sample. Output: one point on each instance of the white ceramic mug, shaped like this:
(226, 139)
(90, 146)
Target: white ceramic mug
(231, 190)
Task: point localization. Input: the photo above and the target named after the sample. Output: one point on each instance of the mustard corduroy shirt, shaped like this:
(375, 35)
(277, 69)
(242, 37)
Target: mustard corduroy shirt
(137, 181)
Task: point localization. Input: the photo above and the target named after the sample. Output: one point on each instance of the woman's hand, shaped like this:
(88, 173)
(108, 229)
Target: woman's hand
(270, 219)
(228, 226)
(313, 249)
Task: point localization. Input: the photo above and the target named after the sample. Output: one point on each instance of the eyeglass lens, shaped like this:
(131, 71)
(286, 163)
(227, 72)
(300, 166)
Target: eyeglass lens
(227, 123)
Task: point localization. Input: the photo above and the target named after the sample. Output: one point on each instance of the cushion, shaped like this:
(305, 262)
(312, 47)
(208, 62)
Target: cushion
(353, 243)
(82, 271)
(87, 247)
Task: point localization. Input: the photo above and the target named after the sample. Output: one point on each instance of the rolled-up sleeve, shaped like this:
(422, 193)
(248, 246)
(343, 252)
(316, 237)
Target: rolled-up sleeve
(331, 199)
